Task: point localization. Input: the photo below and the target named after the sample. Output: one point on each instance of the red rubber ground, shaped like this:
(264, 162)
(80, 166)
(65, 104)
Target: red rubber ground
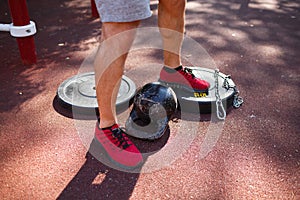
(256, 157)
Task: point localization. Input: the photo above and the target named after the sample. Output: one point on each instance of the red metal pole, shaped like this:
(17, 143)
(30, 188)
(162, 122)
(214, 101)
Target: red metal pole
(20, 17)
(94, 9)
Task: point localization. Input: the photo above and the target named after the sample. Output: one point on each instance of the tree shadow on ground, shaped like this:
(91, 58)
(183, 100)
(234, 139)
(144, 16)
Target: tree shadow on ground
(63, 30)
(99, 178)
(98, 181)
(257, 42)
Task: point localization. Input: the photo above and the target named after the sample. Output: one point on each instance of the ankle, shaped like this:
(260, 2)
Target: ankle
(172, 70)
(108, 127)
(105, 126)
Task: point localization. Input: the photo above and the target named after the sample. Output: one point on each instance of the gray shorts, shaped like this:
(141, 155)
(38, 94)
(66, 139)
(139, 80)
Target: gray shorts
(123, 10)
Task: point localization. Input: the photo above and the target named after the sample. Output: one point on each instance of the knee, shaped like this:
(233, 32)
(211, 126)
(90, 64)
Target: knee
(112, 28)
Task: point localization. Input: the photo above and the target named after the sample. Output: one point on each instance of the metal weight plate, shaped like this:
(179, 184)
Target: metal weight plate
(79, 91)
(190, 102)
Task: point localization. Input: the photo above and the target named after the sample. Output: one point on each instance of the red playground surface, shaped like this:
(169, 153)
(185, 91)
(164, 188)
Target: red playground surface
(43, 148)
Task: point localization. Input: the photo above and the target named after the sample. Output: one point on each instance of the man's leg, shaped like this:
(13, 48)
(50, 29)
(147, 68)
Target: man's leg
(120, 19)
(171, 17)
(171, 14)
(116, 40)
(109, 65)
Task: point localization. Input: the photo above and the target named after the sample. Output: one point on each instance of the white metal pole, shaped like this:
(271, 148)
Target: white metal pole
(5, 27)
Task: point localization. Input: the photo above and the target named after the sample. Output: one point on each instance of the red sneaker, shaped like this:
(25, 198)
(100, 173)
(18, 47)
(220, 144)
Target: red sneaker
(183, 78)
(118, 146)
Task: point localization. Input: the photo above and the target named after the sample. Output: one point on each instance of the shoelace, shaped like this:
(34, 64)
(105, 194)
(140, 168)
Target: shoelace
(188, 71)
(119, 135)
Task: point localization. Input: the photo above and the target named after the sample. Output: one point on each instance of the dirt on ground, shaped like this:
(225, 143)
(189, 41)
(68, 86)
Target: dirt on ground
(253, 154)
